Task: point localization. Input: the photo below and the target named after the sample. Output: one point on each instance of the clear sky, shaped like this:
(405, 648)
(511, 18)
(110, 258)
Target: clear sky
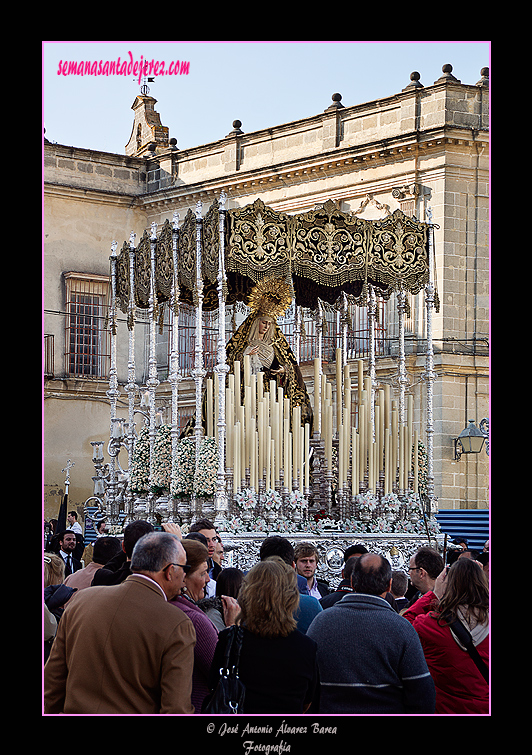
(262, 84)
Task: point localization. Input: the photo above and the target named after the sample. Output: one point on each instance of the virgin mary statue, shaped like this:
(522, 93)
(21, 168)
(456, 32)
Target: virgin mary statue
(260, 337)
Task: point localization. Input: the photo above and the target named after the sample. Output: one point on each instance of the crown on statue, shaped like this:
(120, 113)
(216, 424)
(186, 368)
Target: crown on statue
(270, 297)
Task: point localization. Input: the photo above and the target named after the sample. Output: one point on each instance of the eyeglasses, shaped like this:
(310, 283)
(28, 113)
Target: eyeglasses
(414, 568)
(185, 567)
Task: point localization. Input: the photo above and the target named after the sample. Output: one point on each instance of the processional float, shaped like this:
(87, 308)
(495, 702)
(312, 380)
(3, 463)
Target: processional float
(259, 455)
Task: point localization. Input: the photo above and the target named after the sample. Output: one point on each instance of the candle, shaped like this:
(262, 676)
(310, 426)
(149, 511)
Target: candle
(247, 428)
(387, 449)
(288, 470)
(362, 454)
(354, 462)
(387, 407)
(229, 424)
(296, 424)
(237, 477)
(307, 455)
(242, 463)
(238, 394)
(339, 389)
(268, 457)
(380, 404)
(253, 385)
(301, 462)
(286, 431)
(260, 386)
(329, 435)
(394, 421)
(341, 457)
(371, 475)
(247, 370)
(416, 462)
(262, 438)
(317, 383)
(378, 444)
(252, 451)
(347, 399)
(407, 456)
(267, 409)
(277, 435)
(360, 386)
(216, 404)
(256, 459)
(273, 467)
(347, 448)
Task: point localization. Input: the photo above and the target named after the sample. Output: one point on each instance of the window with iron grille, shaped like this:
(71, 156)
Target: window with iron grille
(86, 336)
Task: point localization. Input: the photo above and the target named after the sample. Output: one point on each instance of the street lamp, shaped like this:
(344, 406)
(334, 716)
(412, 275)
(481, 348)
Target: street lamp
(470, 441)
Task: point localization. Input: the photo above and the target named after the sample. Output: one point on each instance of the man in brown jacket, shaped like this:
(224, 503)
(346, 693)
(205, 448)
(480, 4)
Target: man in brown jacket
(123, 649)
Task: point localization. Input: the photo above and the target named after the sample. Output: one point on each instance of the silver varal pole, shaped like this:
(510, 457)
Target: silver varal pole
(131, 386)
(175, 376)
(221, 500)
(317, 388)
(372, 311)
(153, 382)
(198, 372)
(429, 374)
(113, 393)
(402, 379)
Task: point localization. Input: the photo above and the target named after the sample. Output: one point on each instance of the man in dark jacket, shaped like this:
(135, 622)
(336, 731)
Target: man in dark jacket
(369, 659)
(343, 588)
(118, 568)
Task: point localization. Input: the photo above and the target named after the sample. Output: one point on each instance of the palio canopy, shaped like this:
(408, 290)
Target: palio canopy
(324, 252)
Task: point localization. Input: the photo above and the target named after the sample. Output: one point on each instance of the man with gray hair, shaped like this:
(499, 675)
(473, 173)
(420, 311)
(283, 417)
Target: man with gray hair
(369, 660)
(124, 649)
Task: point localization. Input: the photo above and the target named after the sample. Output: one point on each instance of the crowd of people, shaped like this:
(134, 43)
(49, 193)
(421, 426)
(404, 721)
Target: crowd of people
(143, 627)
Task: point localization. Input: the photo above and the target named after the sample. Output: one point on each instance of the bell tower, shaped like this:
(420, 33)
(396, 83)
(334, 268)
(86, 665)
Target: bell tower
(147, 128)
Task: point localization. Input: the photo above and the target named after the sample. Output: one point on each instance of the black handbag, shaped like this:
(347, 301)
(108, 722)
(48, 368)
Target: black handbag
(229, 694)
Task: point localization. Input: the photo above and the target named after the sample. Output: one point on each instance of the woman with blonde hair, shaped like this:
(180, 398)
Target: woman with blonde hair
(277, 662)
(56, 596)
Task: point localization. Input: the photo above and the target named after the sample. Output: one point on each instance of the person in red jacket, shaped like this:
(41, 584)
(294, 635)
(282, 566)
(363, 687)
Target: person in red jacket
(460, 592)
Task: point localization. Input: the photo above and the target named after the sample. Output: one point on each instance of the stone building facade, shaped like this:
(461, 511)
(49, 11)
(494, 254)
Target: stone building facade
(425, 146)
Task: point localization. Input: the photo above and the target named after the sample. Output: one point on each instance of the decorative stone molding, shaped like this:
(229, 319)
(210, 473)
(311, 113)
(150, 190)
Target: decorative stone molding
(407, 196)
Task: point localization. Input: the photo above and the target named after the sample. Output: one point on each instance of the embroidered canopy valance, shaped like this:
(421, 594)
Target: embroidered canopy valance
(324, 252)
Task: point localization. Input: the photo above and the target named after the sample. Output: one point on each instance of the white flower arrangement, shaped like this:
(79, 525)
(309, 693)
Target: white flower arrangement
(207, 469)
(352, 525)
(246, 499)
(237, 525)
(381, 525)
(390, 503)
(183, 476)
(272, 500)
(189, 480)
(162, 460)
(366, 501)
(297, 500)
(140, 465)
